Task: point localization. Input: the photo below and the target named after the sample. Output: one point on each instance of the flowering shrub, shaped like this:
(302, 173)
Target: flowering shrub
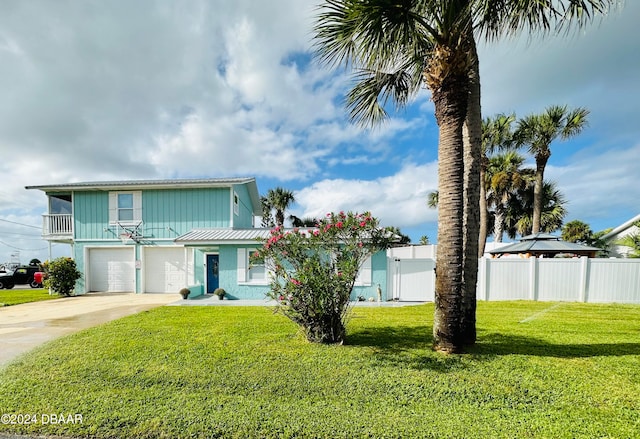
(314, 270)
(61, 275)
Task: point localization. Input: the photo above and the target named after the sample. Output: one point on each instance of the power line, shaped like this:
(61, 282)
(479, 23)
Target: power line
(20, 224)
(23, 249)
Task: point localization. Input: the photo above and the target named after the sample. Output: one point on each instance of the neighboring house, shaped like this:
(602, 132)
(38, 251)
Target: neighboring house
(158, 236)
(625, 229)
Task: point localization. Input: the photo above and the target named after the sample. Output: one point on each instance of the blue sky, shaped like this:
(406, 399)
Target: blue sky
(96, 90)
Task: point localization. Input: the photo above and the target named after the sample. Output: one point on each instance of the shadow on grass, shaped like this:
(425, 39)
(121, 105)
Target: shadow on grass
(411, 347)
(501, 344)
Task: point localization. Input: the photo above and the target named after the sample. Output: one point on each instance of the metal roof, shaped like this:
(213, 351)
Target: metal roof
(222, 236)
(131, 184)
(544, 245)
(160, 184)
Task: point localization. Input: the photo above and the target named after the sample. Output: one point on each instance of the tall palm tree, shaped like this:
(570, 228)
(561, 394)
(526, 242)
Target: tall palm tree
(506, 177)
(395, 47)
(496, 136)
(538, 131)
(519, 218)
(278, 199)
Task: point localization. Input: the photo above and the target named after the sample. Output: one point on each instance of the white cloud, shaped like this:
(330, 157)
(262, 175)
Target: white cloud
(398, 200)
(599, 183)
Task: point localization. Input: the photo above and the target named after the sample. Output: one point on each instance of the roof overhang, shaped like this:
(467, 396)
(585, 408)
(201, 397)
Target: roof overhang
(148, 184)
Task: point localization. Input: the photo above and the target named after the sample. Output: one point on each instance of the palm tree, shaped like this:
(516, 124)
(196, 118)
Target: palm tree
(432, 200)
(267, 218)
(519, 219)
(278, 199)
(496, 136)
(395, 48)
(303, 222)
(506, 177)
(537, 131)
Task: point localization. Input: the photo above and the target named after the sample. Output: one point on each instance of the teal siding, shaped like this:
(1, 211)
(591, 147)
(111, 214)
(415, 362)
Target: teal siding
(229, 276)
(378, 277)
(91, 215)
(166, 213)
(244, 219)
(183, 210)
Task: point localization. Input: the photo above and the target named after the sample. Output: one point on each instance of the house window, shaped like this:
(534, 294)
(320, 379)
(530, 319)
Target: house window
(364, 275)
(257, 270)
(125, 207)
(236, 201)
(251, 272)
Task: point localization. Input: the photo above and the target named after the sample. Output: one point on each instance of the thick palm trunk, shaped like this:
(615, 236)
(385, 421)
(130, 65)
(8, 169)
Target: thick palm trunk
(541, 163)
(450, 97)
(472, 135)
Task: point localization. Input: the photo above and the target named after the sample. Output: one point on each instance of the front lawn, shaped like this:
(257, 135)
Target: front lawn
(15, 296)
(539, 370)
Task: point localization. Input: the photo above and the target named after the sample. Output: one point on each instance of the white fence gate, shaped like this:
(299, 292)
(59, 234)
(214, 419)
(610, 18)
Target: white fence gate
(411, 280)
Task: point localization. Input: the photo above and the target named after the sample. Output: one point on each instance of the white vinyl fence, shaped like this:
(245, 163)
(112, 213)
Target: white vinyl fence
(574, 280)
(411, 277)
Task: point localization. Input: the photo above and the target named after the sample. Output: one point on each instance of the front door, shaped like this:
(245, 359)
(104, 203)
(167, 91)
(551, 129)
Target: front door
(213, 277)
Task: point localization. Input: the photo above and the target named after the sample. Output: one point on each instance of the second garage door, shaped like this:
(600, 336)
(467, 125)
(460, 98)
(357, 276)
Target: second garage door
(112, 269)
(165, 269)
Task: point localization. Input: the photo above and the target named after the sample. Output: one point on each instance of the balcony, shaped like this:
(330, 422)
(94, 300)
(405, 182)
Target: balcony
(57, 227)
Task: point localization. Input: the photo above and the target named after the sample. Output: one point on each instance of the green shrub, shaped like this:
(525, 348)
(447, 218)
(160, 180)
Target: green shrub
(314, 270)
(61, 275)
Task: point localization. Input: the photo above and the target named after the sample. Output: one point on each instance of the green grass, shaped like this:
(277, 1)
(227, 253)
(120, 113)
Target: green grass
(15, 297)
(538, 370)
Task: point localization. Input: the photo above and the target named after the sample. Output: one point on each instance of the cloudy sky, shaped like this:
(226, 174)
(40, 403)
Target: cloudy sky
(96, 90)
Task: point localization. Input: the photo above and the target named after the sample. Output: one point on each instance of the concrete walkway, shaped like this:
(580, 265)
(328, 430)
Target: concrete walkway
(25, 326)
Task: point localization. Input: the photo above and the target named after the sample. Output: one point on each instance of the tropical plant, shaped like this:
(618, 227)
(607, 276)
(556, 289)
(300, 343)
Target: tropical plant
(278, 200)
(424, 240)
(632, 241)
(395, 47)
(267, 217)
(496, 136)
(314, 271)
(519, 218)
(580, 232)
(505, 177)
(537, 132)
(577, 231)
(61, 275)
(302, 222)
(432, 200)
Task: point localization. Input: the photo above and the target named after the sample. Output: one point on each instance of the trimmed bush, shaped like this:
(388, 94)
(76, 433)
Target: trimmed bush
(61, 275)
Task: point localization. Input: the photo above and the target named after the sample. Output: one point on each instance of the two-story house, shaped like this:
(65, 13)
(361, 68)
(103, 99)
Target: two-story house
(158, 236)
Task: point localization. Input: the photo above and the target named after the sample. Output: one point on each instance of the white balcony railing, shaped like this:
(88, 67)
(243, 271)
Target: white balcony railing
(57, 226)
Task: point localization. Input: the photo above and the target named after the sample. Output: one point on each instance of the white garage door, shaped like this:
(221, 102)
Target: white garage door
(112, 269)
(165, 269)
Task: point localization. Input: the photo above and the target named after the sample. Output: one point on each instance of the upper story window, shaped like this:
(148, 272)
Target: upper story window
(236, 204)
(60, 204)
(125, 207)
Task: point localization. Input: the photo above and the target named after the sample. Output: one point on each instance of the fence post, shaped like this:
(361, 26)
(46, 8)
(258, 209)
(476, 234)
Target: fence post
(533, 278)
(584, 270)
(482, 279)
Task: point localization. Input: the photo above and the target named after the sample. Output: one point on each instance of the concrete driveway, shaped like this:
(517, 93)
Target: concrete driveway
(25, 326)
